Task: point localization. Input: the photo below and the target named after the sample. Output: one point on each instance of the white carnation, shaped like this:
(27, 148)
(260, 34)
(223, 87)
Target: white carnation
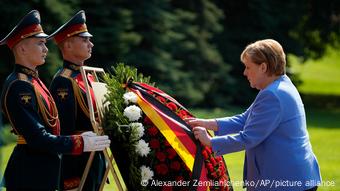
(142, 148)
(133, 113)
(139, 129)
(130, 97)
(146, 173)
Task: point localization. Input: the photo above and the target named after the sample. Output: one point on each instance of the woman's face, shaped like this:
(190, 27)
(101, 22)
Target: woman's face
(255, 73)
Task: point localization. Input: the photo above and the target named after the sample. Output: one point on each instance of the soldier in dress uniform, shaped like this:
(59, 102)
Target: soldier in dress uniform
(35, 163)
(68, 90)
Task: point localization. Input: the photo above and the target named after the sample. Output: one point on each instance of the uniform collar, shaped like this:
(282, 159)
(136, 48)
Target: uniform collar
(29, 72)
(71, 66)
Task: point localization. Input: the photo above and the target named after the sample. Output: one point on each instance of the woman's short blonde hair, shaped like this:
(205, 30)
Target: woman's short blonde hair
(268, 51)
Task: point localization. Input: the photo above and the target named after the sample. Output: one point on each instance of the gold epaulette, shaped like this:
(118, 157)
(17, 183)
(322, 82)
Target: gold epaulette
(66, 73)
(23, 77)
(21, 140)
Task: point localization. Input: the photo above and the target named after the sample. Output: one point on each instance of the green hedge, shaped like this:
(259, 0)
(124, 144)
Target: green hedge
(321, 101)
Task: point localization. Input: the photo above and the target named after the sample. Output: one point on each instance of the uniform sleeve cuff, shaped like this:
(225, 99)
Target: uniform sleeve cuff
(78, 144)
(71, 183)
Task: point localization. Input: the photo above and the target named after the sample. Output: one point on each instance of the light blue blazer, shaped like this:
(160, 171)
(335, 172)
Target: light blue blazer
(273, 132)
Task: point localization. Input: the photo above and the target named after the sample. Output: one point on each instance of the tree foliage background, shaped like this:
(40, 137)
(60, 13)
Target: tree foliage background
(190, 48)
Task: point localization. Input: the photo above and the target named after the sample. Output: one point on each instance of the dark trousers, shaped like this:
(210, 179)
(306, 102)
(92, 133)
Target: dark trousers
(312, 189)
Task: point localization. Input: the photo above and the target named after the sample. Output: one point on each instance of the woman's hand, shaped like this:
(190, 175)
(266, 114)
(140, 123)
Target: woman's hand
(209, 124)
(202, 135)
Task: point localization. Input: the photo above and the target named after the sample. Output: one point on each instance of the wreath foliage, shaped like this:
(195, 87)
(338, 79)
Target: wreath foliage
(136, 141)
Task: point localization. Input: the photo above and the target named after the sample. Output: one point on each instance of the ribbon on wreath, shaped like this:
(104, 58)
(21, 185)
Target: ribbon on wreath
(174, 129)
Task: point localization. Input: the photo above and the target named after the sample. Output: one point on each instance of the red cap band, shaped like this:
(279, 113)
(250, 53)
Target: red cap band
(24, 33)
(70, 31)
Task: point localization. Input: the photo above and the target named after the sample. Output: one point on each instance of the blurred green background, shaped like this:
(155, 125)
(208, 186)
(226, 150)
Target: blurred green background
(191, 50)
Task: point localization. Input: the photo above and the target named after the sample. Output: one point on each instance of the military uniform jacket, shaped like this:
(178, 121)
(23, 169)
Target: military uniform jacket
(36, 160)
(68, 90)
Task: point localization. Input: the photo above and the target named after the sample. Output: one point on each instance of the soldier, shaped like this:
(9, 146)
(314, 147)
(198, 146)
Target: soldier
(35, 163)
(68, 90)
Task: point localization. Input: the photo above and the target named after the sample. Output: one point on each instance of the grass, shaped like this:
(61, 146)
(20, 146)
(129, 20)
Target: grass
(323, 142)
(320, 76)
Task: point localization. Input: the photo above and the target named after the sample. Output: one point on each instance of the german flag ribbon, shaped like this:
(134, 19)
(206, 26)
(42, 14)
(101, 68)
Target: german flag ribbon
(174, 129)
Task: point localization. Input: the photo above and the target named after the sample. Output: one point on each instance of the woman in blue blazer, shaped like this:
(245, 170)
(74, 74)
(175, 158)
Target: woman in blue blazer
(272, 130)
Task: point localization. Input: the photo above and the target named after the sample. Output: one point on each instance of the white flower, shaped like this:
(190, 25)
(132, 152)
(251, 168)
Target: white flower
(133, 113)
(139, 129)
(142, 148)
(146, 173)
(130, 97)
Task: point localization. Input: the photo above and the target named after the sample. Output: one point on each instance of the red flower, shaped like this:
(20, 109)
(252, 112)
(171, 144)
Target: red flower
(171, 153)
(175, 165)
(210, 167)
(161, 99)
(154, 144)
(213, 162)
(161, 169)
(221, 187)
(205, 155)
(214, 175)
(172, 106)
(221, 168)
(208, 149)
(147, 121)
(153, 131)
(216, 168)
(167, 188)
(183, 114)
(218, 173)
(166, 143)
(161, 156)
(179, 178)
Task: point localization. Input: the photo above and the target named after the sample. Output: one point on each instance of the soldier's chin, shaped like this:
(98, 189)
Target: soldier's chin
(42, 62)
(88, 56)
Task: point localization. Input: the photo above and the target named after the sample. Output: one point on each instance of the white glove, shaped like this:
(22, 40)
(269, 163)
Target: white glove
(93, 142)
